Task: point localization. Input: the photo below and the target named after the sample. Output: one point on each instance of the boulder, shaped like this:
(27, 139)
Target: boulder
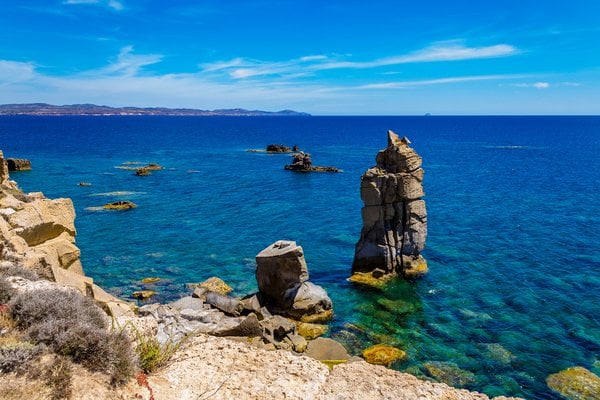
(227, 304)
(394, 215)
(18, 164)
(280, 268)
(324, 349)
(282, 277)
(216, 285)
(576, 383)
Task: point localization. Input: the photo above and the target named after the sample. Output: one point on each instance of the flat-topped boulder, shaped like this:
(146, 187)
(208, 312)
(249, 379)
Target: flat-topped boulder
(282, 277)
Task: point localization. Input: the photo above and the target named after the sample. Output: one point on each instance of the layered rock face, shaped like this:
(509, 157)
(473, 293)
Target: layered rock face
(394, 215)
(282, 277)
(39, 234)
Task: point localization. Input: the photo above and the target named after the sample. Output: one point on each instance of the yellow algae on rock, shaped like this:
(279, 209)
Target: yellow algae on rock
(120, 205)
(143, 294)
(213, 284)
(150, 280)
(575, 383)
(318, 317)
(381, 354)
(310, 331)
(371, 280)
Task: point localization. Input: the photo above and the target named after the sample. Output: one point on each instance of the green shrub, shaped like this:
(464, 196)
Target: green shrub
(153, 355)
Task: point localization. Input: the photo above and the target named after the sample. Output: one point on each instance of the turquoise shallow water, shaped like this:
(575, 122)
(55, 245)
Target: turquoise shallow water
(513, 291)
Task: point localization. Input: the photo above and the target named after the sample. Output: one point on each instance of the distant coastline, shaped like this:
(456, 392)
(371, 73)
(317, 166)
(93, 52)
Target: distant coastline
(96, 110)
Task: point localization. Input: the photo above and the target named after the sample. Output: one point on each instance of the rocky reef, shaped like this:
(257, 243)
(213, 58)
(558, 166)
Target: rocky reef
(394, 215)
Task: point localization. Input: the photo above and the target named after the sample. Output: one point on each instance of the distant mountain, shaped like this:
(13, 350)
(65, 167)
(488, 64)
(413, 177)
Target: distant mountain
(92, 109)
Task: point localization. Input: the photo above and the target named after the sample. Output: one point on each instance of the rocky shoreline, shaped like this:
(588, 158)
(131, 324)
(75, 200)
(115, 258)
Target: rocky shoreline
(39, 234)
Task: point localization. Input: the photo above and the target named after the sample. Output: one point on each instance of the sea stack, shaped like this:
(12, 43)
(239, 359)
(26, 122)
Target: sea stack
(394, 215)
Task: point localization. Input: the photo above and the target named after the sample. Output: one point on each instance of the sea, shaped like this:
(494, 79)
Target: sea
(513, 289)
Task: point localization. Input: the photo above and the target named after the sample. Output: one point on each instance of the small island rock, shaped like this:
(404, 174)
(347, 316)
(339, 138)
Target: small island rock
(278, 148)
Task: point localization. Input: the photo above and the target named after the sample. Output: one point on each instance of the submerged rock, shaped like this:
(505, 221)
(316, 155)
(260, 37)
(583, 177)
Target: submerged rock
(449, 373)
(143, 294)
(576, 383)
(381, 354)
(150, 280)
(375, 279)
(394, 216)
(120, 205)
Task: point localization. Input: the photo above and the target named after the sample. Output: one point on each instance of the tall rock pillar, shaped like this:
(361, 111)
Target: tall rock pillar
(3, 169)
(394, 215)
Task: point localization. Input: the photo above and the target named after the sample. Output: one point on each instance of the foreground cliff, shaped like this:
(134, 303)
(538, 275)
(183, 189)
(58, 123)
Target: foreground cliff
(394, 215)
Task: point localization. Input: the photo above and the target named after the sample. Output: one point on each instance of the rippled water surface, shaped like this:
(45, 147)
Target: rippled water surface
(513, 291)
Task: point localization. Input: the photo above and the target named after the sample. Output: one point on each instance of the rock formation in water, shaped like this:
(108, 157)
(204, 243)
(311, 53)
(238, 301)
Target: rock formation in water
(39, 234)
(278, 148)
(302, 162)
(394, 215)
(18, 164)
(282, 277)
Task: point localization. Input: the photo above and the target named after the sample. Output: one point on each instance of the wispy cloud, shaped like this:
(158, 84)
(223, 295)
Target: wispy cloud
(129, 64)
(114, 4)
(536, 85)
(240, 68)
(14, 71)
(457, 79)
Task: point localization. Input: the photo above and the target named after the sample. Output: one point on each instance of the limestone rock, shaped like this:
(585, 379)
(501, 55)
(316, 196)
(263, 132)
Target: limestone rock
(394, 216)
(43, 219)
(576, 383)
(310, 331)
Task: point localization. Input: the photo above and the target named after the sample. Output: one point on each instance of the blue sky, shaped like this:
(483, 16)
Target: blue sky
(322, 57)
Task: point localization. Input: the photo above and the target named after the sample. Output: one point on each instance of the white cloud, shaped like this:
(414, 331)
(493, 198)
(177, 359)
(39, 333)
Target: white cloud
(130, 64)
(14, 71)
(114, 4)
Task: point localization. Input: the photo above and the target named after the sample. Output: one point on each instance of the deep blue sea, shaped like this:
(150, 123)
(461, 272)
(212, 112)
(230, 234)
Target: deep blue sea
(513, 292)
